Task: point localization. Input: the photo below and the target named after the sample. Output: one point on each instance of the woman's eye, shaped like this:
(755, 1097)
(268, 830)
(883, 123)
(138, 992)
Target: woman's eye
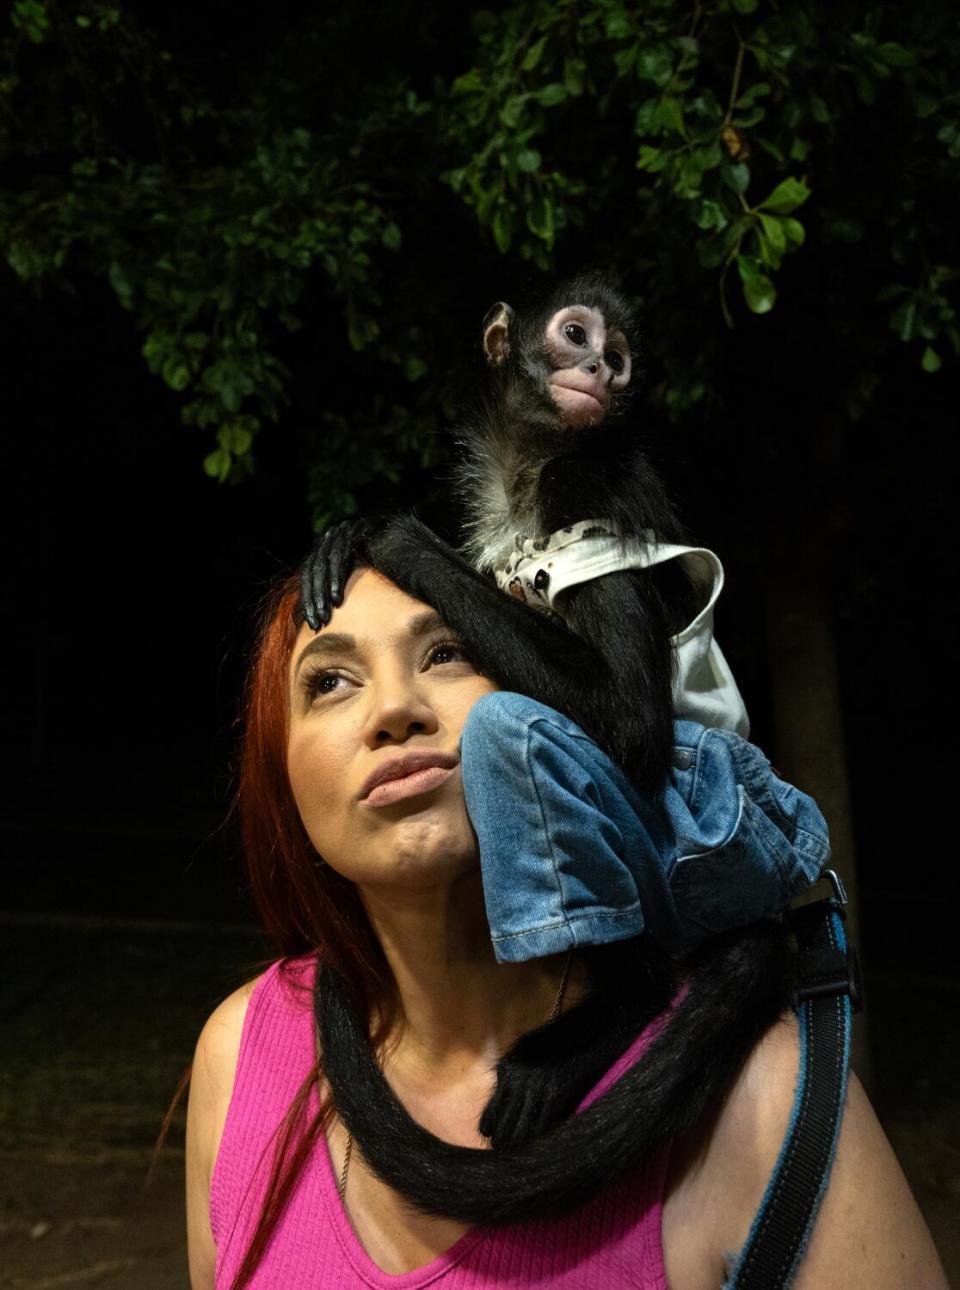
(574, 332)
(322, 683)
(614, 360)
(447, 652)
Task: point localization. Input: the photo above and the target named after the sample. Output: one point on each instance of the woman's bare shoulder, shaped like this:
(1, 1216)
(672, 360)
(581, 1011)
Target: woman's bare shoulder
(211, 1086)
(218, 1045)
(868, 1233)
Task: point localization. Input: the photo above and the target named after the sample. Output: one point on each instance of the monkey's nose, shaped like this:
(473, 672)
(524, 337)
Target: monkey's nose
(593, 368)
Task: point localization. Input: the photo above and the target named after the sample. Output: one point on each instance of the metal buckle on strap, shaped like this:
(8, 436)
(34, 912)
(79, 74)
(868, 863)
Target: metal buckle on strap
(822, 967)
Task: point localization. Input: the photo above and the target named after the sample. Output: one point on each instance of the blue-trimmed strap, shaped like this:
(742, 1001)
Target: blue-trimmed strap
(826, 993)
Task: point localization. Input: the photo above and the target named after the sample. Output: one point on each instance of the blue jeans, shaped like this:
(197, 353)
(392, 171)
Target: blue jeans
(572, 854)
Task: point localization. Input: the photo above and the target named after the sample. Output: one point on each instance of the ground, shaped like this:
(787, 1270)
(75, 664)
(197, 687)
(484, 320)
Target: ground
(99, 1018)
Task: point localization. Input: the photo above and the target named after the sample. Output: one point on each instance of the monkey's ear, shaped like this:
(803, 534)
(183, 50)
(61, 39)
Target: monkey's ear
(496, 333)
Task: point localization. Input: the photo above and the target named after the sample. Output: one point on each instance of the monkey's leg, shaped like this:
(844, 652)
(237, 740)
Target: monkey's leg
(624, 614)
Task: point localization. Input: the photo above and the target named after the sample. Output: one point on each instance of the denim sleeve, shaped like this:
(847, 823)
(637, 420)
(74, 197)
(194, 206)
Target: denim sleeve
(746, 841)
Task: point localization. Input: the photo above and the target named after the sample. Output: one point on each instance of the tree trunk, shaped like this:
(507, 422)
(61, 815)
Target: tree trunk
(808, 727)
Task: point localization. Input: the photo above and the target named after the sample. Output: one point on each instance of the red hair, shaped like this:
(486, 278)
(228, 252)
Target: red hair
(304, 905)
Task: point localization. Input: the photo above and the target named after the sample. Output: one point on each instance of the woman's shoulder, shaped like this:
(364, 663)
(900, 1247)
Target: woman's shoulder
(718, 1173)
(868, 1233)
(214, 1068)
(283, 985)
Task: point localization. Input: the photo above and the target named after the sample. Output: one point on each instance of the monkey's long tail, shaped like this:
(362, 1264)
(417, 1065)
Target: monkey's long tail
(737, 989)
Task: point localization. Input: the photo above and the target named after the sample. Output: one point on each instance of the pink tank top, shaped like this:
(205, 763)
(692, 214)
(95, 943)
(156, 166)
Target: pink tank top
(613, 1240)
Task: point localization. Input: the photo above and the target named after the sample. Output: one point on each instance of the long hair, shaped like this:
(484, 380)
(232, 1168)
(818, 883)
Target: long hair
(303, 904)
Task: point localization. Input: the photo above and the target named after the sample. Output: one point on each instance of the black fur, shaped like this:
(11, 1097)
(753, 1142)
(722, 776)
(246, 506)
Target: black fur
(736, 990)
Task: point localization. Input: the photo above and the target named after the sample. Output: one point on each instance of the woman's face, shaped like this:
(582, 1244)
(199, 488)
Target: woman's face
(378, 698)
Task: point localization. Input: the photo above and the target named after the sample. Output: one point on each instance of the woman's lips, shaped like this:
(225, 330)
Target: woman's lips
(418, 781)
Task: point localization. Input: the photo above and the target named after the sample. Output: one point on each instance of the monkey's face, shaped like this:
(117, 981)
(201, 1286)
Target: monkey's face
(590, 365)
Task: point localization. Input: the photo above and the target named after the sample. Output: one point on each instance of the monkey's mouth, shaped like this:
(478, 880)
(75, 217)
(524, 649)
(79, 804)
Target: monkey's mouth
(578, 407)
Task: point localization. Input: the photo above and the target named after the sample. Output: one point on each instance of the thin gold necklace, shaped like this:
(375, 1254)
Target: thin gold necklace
(342, 1185)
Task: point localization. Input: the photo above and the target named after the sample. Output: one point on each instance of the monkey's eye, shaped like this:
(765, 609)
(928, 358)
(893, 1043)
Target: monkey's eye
(614, 360)
(574, 332)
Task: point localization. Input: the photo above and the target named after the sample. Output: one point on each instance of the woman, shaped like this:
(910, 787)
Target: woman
(396, 907)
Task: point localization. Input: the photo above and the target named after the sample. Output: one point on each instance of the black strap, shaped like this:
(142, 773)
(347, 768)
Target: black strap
(826, 993)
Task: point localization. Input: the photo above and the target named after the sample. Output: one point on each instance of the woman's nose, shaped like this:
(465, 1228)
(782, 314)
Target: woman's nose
(397, 712)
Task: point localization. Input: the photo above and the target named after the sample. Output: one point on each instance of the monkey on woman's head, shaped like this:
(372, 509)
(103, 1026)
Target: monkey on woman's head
(571, 357)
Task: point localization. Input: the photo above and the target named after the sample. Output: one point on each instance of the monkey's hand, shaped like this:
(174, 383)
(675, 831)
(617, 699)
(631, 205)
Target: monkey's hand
(324, 573)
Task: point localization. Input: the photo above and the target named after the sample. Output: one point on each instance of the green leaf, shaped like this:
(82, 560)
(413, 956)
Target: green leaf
(573, 73)
(745, 6)
(502, 233)
(625, 59)
(651, 159)
(895, 55)
(931, 361)
(511, 114)
(736, 177)
(786, 197)
(758, 290)
(413, 368)
(758, 90)
(617, 25)
(541, 218)
(234, 438)
(670, 113)
(903, 320)
(534, 54)
(31, 17)
(391, 237)
(551, 94)
(794, 231)
(217, 465)
(121, 284)
(711, 215)
(529, 160)
(819, 109)
(176, 373)
(774, 234)
(655, 64)
(645, 121)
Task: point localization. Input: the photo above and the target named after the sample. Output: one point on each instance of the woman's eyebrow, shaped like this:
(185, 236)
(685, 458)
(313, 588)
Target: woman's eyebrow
(420, 624)
(328, 643)
(344, 643)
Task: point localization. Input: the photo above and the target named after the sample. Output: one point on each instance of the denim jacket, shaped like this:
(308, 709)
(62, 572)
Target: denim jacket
(572, 854)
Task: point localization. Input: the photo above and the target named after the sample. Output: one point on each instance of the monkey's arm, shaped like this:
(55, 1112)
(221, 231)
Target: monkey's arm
(521, 648)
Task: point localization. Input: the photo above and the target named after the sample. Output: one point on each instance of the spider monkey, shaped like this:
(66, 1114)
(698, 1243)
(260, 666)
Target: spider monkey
(547, 447)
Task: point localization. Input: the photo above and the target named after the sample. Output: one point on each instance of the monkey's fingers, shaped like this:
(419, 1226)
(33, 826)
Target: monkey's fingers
(320, 578)
(342, 556)
(306, 594)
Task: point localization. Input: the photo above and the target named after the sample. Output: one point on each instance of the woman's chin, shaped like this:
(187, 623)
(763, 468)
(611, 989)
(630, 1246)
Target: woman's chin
(425, 852)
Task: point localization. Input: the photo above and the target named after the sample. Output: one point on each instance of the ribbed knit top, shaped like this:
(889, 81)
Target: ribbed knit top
(613, 1240)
